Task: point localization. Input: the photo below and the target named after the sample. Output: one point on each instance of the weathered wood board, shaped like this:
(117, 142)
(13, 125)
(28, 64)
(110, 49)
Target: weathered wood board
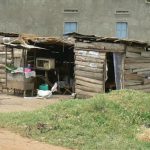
(137, 69)
(89, 70)
(135, 49)
(133, 55)
(89, 80)
(101, 46)
(145, 54)
(137, 65)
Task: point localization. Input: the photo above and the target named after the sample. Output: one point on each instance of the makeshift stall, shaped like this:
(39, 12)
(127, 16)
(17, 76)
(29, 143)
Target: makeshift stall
(19, 75)
(44, 62)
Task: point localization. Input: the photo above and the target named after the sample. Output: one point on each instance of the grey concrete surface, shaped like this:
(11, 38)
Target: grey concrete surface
(47, 17)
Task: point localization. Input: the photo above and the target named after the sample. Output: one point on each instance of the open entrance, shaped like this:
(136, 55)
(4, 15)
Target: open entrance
(110, 73)
(53, 64)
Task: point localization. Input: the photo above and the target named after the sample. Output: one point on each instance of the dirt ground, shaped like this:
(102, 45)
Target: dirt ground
(10, 103)
(12, 141)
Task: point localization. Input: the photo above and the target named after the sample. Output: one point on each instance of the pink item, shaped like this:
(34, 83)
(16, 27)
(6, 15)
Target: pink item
(27, 70)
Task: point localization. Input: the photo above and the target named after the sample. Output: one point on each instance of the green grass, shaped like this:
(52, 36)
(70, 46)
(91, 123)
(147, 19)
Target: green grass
(105, 122)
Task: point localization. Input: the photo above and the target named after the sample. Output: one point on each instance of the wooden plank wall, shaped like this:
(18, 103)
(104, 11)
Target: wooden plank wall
(137, 69)
(2, 66)
(17, 59)
(89, 72)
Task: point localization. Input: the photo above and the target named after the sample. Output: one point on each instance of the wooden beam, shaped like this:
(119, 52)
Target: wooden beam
(88, 89)
(3, 81)
(146, 81)
(88, 84)
(2, 61)
(4, 53)
(137, 65)
(133, 77)
(144, 73)
(145, 54)
(91, 53)
(88, 69)
(133, 55)
(101, 46)
(139, 87)
(3, 76)
(2, 71)
(2, 65)
(88, 59)
(135, 49)
(89, 80)
(87, 94)
(89, 64)
(141, 70)
(137, 60)
(97, 76)
(132, 82)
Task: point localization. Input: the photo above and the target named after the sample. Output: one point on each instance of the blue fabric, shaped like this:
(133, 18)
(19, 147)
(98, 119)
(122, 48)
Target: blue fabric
(121, 32)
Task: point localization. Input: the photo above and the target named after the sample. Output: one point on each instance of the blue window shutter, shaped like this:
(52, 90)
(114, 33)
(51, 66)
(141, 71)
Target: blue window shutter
(70, 27)
(122, 29)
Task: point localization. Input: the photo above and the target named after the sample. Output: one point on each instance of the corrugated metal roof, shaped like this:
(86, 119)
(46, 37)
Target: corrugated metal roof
(36, 42)
(25, 46)
(30, 40)
(93, 38)
(9, 34)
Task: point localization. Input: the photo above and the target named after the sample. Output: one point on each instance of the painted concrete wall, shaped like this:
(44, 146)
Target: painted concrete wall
(47, 17)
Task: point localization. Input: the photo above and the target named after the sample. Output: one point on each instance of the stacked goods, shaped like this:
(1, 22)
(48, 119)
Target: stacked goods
(17, 56)
(89, 71)
(2, 65)
(137, 69)
(3, 59)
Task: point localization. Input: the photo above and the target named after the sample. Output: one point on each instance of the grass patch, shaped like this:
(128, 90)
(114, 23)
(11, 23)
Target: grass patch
(107, 121)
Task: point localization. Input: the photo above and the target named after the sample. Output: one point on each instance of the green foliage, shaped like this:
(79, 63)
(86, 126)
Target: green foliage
(107, 121)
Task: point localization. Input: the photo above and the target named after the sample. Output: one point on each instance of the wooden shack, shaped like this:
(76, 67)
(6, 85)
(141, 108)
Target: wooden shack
(88, 64)
(103, 64)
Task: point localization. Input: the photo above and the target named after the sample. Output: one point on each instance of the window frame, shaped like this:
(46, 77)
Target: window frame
(70, 22)
(127, 30)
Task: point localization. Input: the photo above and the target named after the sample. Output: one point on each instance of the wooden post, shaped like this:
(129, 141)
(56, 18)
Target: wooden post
(34, 59)
(12, 55)
(24, 92)
(6, 65)
(122, 72)
(104, 74)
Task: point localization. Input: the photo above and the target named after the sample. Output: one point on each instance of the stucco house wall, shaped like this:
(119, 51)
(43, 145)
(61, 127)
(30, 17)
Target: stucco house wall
(98, 17)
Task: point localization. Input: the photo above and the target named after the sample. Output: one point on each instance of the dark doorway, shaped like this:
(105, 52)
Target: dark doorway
(63, 71)
(110, 74)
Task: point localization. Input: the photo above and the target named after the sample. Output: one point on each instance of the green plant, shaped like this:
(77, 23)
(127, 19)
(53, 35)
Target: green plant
(106, 121)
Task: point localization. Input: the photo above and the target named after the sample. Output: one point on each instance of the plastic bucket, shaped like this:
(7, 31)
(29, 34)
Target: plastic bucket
(43, 87)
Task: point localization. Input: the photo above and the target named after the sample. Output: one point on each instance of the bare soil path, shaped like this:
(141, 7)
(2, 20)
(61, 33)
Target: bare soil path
(13, 141)
(10, 103)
